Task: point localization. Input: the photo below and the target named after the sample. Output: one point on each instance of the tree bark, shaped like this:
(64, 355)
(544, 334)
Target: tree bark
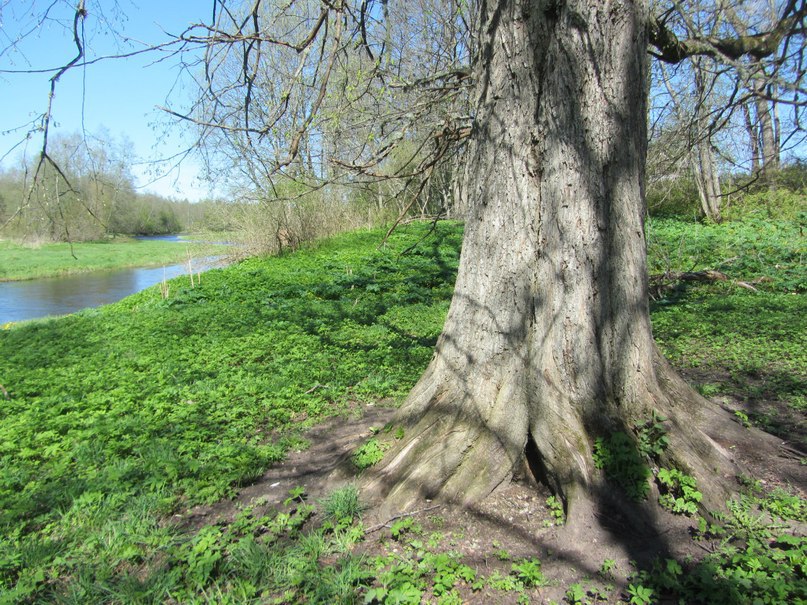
(704, 167)
(548, 343)
(770, 145)
(753, 139)
(707, 180)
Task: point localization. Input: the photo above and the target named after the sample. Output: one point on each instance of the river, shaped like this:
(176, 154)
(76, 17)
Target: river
(20, 300)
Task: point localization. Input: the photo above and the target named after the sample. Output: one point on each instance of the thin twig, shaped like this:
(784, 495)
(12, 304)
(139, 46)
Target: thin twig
(401, 516)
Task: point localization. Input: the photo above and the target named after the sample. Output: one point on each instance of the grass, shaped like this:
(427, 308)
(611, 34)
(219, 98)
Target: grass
(747, 345)
(121, 416)
(18, 262)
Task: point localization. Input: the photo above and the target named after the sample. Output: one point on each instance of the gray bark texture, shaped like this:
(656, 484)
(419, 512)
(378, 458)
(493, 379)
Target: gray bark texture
(548, 343)
(703, 162)
(768, 138)
(707, 180)
(753, 138)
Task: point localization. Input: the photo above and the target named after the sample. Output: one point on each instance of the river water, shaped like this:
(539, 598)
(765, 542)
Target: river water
(35, 298)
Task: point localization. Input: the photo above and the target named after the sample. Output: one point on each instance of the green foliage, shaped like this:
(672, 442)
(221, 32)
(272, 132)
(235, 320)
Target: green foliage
(619, 456)
(528, 571)
(607, 567)
(651, 437)
(368, 454)
(404, 526)
(555, 506)
(406, 579)
(784, 505)
(678, 491)
(776, 204)
(765, 252)
(742, 417)
(640, 595)
(120, 417)
(676, 198)
(625, 458)
(577, 594)
(752, 559)
(777, 195)
(751, 344)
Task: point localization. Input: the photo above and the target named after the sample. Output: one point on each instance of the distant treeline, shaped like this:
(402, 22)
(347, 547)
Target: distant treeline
(89, 193)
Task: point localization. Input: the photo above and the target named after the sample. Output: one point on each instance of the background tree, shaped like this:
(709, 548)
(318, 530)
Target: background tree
(322, 93)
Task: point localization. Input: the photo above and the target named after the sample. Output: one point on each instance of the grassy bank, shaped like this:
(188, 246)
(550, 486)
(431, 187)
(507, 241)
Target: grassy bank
(119, 417)
(18, 262)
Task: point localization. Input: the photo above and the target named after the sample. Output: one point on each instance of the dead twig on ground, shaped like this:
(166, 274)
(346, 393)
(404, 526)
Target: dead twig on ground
(401, 516)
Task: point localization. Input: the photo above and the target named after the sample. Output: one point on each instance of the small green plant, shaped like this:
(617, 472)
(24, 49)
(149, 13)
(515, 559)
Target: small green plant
(500, 553)
(296, 494)
(403, 526)
(506, 583)
(619, 456)
(555, 506)
(639, 594)
(708, 389)
(742, 418)
(343, 505)
(679, 491)
(785, 505)
(369, 454)
(529, 572)
(607, 567)
(576, 594)
(652, 437)
(405, 578)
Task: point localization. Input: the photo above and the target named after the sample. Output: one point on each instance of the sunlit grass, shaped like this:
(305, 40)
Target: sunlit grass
(19, 262)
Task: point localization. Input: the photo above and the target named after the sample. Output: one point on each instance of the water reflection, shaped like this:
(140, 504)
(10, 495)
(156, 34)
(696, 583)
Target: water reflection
(60, 295)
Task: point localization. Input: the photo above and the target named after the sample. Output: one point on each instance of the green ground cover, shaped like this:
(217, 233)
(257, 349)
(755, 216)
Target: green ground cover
(117, 417)
(19, 262)
(122, 414)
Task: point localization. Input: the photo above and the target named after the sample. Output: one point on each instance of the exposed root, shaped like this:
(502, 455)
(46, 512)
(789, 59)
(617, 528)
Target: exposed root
(451, 453)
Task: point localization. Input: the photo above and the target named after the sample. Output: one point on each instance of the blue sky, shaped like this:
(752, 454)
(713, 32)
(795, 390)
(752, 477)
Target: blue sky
(120, 96)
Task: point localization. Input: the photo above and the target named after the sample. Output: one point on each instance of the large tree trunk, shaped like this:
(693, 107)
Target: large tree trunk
(548, 342)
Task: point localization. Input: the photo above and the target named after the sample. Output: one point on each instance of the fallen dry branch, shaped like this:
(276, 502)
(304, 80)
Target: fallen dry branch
(662, 283)
(401, 516)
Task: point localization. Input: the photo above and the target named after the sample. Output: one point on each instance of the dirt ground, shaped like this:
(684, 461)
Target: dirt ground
(513, 523)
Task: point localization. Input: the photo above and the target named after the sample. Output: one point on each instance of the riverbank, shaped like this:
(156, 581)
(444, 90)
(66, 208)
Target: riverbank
(24, 262)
